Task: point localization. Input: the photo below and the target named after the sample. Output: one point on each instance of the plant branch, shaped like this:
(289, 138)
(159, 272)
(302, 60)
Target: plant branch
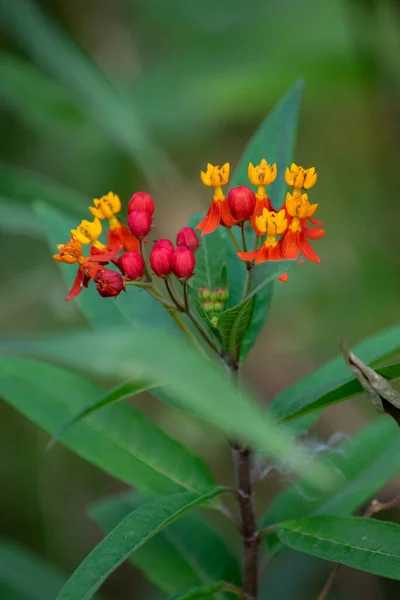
(146, 270)
(234, 240)
(373, 508)
(243, 237)
(250, 536)
(172, 296)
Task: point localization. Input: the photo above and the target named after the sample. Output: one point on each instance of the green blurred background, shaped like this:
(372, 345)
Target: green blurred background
(130, 95)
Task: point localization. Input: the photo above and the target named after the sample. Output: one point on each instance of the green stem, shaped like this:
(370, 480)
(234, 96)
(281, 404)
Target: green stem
(234, 240)
(185, 296)
(247, 283)
(146, 270)
(172, 296)
(243, 237)
(140, 284)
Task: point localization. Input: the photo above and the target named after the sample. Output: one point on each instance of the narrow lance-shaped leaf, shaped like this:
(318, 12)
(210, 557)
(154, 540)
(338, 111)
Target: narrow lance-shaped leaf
(206, 590)
(274, 140)
(129, 535)
(171, 560)
(366, 462)
(118, 439)
(382, 395)
(364, 544)
(194, 382)
(322, 387)
(119, 393)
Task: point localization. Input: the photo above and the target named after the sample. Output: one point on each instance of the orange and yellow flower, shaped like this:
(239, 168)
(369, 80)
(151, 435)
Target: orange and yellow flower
(89, 266)
(300, 178)
(273, 224)
(119, 236)
(218, 212)
(261, 175)
(298, 210)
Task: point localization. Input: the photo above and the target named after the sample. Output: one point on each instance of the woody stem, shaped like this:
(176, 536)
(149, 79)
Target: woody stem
(243, 458)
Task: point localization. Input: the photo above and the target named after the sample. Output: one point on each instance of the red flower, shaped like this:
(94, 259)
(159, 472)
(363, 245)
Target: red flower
(139, 222)
(188, 237)
(183, 262)
(241, 202)
(141, 201)
(109, 283)
(132, 264)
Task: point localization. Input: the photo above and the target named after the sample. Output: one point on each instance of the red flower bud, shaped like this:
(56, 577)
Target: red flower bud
(109, 283)
(187, 237)
(141, 201)
(183, 262)
(241, 202)
(132, 264)
(166, 244)
(160, 261)
(139, 222)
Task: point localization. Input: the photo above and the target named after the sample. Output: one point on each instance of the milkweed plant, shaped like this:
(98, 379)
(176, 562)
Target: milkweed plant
(176, 318)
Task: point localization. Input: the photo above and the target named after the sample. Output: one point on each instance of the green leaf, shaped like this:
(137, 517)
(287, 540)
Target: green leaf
(171, 560)
(206, 590)
(18, 219)
(26, 575)
(366, 462)
(49, 105)
(118, 439)
(364, 544)
(274, 140)
(233, 325)
(135, 308)
(334, 381)
(129, 535)
(210, 256)
(195, 383)
(24, 186)
(107, 107)
(119, 393)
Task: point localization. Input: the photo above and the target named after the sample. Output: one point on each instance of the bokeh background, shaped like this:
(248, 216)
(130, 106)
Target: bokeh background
(130, 95)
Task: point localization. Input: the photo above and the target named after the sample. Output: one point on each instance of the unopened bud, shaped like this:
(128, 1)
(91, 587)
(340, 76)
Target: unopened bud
(139, 222)
(160, 261)
(109, 283)
(214, 321)
(204, 293)
(208, 307)
(132, 265)
(218, 307)
(241, 202)
(222, 295)
(183, 263)
(164, 243)
(214, 296)
(141, 201)
(187, 237)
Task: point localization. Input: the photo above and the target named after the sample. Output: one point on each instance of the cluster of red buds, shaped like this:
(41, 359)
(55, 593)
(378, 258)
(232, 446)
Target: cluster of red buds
(165, 259)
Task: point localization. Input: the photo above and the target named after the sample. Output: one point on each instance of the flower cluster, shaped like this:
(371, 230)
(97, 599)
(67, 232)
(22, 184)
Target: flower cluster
(281, 234)
(213, 302)
(165, 259)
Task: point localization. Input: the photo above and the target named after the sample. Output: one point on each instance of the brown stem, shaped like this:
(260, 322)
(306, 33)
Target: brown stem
(250, 535)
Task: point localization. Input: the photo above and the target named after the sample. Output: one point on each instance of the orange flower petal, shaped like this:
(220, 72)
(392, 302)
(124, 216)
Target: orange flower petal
(284, 277)
(307, 250)
(290, 245)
